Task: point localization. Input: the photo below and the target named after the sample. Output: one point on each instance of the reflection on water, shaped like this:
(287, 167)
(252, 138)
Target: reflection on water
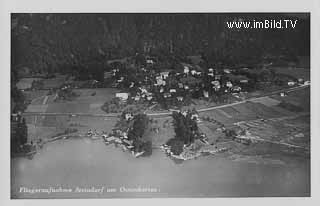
(85, 163)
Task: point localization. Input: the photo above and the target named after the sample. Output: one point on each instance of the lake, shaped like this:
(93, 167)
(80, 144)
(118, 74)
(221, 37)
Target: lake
(85, 163)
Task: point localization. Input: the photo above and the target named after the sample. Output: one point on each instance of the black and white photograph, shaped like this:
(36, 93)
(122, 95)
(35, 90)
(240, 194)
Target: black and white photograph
(114, 105)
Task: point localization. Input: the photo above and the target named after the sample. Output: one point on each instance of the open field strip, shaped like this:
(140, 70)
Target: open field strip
(165, 113)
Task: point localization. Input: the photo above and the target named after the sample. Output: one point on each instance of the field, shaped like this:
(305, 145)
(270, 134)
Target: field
(295, 72)
(26, 83)
(47, 126)
(300, 98)
(55, 82)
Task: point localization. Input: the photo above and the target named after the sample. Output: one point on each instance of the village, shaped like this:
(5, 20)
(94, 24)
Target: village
(141, 89)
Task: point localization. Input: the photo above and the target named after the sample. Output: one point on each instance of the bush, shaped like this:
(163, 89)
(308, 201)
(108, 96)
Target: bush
(185, 128)
(147, 147)
(176, 146)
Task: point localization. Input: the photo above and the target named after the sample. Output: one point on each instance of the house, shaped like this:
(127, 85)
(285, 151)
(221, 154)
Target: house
(217, 87)
(215, 82)
(160, 82)
(143, 90)
(164, 75)
(107, 75)
(123, 96)
(180, 98)
(195, 117)
(283, 94)
(236, 89)
(166, 95)
(291, 83)
(121, 79)
(227, 71)
(185, 69)
(244, 81)
(172, 90)
(307, 83)
(149, 61)
(137, 98)
(128, 116)
(229, 84)
(205, 94)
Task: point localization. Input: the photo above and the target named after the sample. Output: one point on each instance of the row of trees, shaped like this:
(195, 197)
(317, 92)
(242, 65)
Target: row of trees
(19, 133)
(137, 133)
(186, 131)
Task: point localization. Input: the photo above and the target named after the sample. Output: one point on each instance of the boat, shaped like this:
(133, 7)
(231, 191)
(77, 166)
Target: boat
(138, 154)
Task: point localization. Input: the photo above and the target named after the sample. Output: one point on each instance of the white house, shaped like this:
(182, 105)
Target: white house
(236, 89)
(121, 79)
(173, 90)
(307, 83)
(179, 98)
(150, 61)
(164, 74)
(215, 82)
(186, 70)
(123, 96)
(229, 84)
(128, 116)
(206, 94)
(291, 83)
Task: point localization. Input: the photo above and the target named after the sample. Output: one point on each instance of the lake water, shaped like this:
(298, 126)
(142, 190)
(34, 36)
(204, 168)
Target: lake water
(85, 163)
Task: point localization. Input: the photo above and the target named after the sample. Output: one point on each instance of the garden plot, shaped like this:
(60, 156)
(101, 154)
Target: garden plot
(279, 131)
(295, 72)
(232, 113)
(37, 108)
(218, 116)
(26, 83)
(282, 111)
(245, 112)
(100, 124)
(53, 121)
(267, 101)
(36, 132)
(300, 98)
(262, 111)
(35, 95)
(99, 95)
(95, 108)
(68, 107)
(55, 82)
(210, 131)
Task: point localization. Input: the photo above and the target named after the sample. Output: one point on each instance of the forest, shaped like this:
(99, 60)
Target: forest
(48, 43)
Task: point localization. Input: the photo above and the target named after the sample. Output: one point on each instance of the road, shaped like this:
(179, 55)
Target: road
(165, 113)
